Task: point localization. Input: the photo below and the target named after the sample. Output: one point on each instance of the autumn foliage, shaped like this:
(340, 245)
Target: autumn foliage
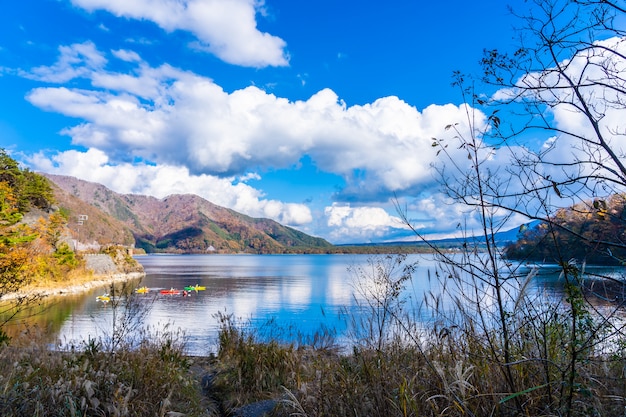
(591, 231)
(30, 250)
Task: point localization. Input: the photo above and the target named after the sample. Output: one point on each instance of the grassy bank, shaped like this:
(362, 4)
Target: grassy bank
(148, 379)
(542, 357)
(445, 374)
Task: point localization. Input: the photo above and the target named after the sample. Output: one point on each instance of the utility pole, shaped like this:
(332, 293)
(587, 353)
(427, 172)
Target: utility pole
(82, 218)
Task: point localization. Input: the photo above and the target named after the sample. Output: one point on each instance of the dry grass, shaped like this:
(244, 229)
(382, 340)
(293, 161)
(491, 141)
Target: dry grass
(434, 373)
(151, 379)
(453, 366)
(557, 361)
(447, 375)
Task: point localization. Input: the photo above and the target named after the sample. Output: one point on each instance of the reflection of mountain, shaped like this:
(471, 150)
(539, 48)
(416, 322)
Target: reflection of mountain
(178, 223)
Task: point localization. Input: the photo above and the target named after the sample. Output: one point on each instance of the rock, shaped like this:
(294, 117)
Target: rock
(207, 383)
(257, 409)
(100, 264)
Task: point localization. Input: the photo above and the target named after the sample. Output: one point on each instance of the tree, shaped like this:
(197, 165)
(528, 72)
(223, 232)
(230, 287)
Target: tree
(565, 83)
(30, 189)
(15, 251)
(10, 172)
(20, 190)
(565, 89)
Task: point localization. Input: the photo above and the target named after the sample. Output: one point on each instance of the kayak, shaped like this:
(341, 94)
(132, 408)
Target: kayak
(172, 291)
(195, 288)
(142, 290)
(105, 298)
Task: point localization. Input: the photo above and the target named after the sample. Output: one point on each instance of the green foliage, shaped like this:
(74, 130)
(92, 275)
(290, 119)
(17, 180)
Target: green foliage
(10, 171)
(36, 190)
(66, 256)
(9, 210)
(29, 188)
(19, 190)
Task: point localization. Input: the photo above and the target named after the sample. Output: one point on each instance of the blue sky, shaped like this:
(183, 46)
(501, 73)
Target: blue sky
(315, 114)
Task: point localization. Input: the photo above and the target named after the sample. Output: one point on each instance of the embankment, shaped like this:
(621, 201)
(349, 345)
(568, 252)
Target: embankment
(101, 272)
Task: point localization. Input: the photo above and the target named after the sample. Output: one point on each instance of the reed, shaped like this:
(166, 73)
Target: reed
(150, 379)
(452, 366)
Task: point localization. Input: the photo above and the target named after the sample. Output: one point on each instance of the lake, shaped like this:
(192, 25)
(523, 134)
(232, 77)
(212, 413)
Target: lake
(282, 296)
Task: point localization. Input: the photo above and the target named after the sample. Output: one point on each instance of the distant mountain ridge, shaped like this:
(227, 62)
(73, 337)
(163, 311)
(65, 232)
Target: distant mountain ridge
(181, 223)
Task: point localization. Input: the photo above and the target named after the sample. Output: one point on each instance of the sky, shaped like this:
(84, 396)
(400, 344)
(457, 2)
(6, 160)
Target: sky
(317, 114)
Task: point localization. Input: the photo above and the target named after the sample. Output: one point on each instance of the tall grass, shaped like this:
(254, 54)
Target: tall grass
(151, 379)
(453, 365)
(564, 358)
(130, 370)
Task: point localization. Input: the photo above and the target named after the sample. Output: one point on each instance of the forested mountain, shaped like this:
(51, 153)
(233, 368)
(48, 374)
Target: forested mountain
(184, 223)
(592, 231)
(99, 227)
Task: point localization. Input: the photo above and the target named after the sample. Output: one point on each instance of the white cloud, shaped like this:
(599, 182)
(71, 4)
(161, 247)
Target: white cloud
(169, 116)
(77, 60)
(126, 55)
(195, 137)
(596, 72)
(360, 223)
(225, 28)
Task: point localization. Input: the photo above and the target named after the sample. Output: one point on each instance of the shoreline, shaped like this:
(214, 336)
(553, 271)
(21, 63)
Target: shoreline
(98, 281)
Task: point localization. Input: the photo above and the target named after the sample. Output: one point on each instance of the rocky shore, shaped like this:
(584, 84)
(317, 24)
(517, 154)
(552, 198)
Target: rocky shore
(105, 272)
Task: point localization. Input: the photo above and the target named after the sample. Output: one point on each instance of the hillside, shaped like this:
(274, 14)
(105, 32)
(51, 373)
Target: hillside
(179, 223)
(592, 231)
(99, 226)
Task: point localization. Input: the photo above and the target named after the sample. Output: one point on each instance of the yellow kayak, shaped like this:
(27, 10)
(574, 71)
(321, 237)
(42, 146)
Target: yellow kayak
(142, 290)
(195, 288)
(105, 298)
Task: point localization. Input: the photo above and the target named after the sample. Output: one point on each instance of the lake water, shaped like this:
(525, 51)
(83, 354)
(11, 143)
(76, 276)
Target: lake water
(296, 294)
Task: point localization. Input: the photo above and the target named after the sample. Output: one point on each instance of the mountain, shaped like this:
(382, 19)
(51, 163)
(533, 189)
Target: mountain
(181, 223)
(99, 226)
(501, 239)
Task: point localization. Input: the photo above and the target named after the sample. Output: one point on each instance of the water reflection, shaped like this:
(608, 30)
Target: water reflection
(45, 316)
(297, 293)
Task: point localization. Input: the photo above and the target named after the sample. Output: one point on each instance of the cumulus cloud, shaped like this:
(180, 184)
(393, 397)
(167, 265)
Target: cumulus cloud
(192, 136)
(163, 180)
(78, 60)
(126, 55)
(360, 223)
(225, 28)
(168, 116)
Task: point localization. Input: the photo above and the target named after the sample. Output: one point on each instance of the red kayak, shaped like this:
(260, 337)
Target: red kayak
(171, 291)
